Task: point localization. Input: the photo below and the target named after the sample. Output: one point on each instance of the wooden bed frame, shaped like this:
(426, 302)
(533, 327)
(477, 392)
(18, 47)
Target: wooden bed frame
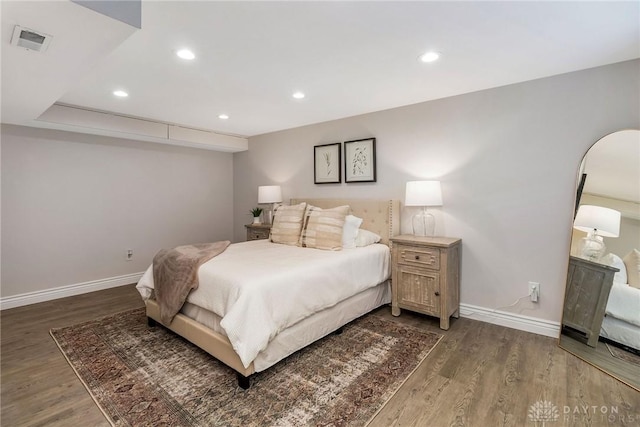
(379, 216)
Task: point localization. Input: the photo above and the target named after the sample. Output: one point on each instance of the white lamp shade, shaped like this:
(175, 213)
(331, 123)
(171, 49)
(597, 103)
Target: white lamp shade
(423, 193)
(605, 221)
(269, 194)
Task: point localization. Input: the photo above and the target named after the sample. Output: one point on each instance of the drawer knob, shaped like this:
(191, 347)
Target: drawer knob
(417, 257)
(437, 293)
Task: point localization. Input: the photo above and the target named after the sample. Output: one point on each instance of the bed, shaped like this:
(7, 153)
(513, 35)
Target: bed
(621, 323)
(223, 330)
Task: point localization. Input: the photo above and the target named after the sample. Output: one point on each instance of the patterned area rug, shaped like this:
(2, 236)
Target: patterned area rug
(619, 353)
(143, 376)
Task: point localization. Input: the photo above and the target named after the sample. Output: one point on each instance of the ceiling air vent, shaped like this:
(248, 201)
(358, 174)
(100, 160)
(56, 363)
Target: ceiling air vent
(30, 39)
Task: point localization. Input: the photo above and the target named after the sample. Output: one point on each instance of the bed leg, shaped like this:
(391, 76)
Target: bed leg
(243, 382)
(151, 322)
(338, 331)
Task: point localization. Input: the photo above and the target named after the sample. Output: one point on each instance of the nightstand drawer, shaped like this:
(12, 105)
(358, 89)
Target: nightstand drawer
(258, 231)
(423, 257)
(257, 234)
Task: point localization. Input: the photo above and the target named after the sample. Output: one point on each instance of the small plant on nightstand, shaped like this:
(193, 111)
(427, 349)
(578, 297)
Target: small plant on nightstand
(256, 212)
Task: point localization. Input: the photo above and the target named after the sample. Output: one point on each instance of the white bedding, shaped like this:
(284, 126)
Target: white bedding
(306, 331)
(620, 332)
(259, 288)
(624, 303)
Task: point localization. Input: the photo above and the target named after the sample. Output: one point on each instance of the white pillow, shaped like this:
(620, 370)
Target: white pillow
(366, 238)
(350, 231)
(615, 261)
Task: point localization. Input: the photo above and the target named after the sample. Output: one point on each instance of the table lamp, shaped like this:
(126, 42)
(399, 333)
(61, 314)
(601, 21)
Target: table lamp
(597, 222)
(424, 194)
(270, 194)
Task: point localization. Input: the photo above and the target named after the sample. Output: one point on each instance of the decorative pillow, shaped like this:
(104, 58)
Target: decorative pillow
(632, 262)
(287, 224)
(615, 261)
(366, 238)
(322, 228)
(350, 231)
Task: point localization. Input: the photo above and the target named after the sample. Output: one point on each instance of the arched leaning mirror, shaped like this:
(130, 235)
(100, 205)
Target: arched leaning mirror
(601, 315)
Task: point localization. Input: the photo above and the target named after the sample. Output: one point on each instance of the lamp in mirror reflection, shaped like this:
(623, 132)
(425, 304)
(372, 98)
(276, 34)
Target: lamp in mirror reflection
(270, 194)
(423, 194)
(597, 222)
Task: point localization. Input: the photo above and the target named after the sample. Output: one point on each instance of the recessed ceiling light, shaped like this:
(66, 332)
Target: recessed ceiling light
(223, 117)
(120, 93)
(298, 95)
(430, 57)
(186, 54)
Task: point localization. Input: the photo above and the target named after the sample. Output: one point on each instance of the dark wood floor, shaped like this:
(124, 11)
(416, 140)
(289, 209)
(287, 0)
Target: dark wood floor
(479, 375)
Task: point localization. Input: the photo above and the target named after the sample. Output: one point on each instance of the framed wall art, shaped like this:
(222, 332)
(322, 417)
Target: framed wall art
(327, 164)
(360, 160)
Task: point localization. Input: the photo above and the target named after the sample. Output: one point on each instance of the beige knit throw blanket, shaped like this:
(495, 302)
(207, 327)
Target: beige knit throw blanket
(175, 274)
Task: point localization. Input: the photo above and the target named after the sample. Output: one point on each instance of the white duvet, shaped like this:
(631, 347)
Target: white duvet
(259, 288)
(624, 303)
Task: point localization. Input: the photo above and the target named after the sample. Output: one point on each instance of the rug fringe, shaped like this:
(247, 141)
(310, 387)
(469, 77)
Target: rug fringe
(403, 382)
(81, 380)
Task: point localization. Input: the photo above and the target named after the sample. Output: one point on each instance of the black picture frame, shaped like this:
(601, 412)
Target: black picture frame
(327, 164)
(360, 160)
(583, 179)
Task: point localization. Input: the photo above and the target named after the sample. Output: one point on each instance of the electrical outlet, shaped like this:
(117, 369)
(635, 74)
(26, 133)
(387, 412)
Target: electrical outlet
(129, 254)
(534, 291)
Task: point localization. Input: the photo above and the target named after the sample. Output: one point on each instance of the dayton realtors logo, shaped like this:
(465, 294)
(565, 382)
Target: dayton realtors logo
(543, 411)
(546, 412)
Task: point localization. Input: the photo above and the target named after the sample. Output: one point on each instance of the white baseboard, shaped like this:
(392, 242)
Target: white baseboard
(511, 320)
(67, 291)
(496, 317)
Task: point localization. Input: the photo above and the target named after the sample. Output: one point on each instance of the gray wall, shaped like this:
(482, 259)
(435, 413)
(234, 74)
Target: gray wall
(129, 12)
(628, 240)
(507, 158)
(72, 204)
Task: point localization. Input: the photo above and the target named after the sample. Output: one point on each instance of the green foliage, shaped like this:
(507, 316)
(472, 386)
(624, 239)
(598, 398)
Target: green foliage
(256, 212)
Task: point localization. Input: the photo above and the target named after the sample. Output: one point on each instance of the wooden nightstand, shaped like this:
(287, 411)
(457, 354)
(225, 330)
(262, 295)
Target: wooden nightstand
(425, 276)
(258, 231)
(586, 296)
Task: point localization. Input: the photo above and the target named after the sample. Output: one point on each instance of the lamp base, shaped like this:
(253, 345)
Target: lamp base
(424, 224)
(592, 247)
(271, 212)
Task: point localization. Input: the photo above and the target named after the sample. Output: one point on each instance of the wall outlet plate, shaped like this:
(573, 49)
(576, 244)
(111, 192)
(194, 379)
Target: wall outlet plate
(534, 291)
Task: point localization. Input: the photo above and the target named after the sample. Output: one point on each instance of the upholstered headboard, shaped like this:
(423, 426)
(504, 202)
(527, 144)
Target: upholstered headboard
(379, 216)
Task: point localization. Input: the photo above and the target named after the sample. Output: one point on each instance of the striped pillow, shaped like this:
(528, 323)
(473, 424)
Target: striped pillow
(287, 223)
(322, 228)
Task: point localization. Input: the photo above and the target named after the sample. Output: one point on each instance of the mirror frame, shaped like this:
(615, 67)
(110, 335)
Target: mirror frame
(575, 206)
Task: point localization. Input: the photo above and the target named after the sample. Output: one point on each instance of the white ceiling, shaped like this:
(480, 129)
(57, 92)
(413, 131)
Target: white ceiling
(349, 58)
(32, 81)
